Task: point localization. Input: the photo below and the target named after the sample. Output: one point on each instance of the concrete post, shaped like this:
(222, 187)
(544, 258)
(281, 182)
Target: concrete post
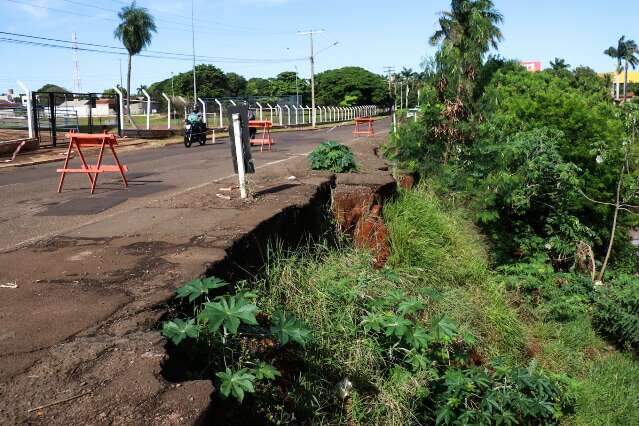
(239, 155)
(203, 109)
(279, 112)
(232, 102)
(289, 114)
(119, 92)
(148, 109)
(270, 108)
(296, 119)
(219, 104)
(259, 105)
(27, 93)
(168, 102)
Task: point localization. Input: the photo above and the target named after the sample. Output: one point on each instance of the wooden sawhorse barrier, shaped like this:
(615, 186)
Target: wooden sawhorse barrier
(265, 136)
(367, 123)
(78, 141)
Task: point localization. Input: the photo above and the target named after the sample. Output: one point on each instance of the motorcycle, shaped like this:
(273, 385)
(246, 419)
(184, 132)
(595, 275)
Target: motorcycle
(194, 132)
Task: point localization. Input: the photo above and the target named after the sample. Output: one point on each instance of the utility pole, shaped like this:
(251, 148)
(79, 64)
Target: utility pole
(76, 64)
(193, 33)
(389, 70)
(120, 72)
(297, 89)
(311, 33)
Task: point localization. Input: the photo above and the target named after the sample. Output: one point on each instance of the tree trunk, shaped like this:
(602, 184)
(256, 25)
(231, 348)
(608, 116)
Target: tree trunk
(614, 227)
(625, 81)
(128, 93)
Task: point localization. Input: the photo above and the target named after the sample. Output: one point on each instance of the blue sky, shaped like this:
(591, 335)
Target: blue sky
(372, 34)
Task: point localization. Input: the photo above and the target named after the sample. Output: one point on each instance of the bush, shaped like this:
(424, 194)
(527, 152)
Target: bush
(334, 157)
(616, 310)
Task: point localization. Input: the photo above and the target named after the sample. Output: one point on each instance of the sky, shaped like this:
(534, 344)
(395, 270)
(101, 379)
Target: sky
(372, 34)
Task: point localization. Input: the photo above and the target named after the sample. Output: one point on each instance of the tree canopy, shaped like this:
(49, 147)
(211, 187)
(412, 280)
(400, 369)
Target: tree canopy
(357, 85)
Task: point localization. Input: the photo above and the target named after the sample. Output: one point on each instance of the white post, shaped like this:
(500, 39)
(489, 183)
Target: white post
(168, 101)
(233, 102)
(27, 93)
(319, 108)
(270, 108)
(259, 105)
(239, 155)
(121, 129)
(203, 109)
(296, 120)
(148, 109)
(279, 112)
(289, 114)
(219, 104)
(335, 114)
(419, 95)
(310, 120)
(407, 92)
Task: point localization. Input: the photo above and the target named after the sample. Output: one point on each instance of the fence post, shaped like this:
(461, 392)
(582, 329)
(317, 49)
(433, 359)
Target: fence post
(270, 108)
(259, 105)
(148, 109)
(203, 109)
(219, 104)
(232, 102)
(27, 93)
(279, 112)
(168, 101)
(120, 112)
(288, 108)
(296, 119)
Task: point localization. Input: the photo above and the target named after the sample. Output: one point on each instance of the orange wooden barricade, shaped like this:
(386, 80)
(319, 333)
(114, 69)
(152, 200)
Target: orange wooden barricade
(78, 141)
(265, 136)
(367, 123)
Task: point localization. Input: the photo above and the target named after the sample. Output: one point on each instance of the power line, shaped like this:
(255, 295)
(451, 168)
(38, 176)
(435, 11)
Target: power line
(149, 53)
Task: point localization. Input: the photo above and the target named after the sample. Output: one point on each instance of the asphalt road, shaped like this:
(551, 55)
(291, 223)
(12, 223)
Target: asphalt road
(31, 209)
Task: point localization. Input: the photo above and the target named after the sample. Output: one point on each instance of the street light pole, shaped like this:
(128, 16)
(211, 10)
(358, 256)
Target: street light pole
(193, 33)
(312, 58)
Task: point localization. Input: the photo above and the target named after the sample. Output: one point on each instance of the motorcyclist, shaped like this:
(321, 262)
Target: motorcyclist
(195, 117)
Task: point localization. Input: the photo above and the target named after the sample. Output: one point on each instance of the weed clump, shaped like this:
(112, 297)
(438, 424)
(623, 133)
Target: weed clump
(334, 157)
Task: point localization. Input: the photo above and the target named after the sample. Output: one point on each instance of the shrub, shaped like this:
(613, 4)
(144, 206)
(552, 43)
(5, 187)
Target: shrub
(616, 310)
(334, 157)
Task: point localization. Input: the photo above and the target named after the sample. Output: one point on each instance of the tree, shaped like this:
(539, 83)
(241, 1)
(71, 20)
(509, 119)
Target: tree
(236, 84)
(334, 86)
(135, 31)
(559, 64)
(466, 33)
(625, 53)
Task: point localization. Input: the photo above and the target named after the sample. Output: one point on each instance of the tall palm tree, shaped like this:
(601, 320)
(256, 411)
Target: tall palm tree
(135, 30)
(625, 53)
(470, 29)
(559, 64)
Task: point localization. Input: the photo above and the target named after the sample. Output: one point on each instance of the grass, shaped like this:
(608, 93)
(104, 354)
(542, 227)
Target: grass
(435, 248)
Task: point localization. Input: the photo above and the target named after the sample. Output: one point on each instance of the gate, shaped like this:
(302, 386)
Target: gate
(56, 113)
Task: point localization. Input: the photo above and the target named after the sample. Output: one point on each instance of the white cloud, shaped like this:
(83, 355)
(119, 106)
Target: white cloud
(37, 9)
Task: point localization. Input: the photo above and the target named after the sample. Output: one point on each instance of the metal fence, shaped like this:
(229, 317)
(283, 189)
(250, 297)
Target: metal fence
(14, 122)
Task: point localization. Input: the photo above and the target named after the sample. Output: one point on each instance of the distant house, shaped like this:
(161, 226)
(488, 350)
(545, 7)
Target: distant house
(618, 80)
(81, 107)
(531, 66)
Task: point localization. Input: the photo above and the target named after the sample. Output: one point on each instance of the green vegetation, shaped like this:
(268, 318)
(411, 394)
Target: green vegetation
(332, 156)
(350, 86)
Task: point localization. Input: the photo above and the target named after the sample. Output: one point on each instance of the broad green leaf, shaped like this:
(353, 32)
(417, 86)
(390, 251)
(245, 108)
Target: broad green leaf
(179, 330)
(229, 311)
(418, 337)
(265, 371)
(396, 326)
(287, 328)
(236, 383)
(410, 306)
(443, 329)
(200, 287)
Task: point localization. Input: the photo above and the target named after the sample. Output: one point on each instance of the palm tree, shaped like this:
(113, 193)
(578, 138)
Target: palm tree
(135, 31)
(559, 64)
(469, 30)
(626, 53)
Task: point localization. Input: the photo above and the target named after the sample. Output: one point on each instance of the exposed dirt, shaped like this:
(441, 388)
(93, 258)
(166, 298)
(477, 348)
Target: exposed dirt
(79, 335)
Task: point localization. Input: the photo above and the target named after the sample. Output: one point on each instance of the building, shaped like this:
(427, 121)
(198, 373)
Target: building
(618, 81)
(102, 108)
(531, 66)
(7, 97)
